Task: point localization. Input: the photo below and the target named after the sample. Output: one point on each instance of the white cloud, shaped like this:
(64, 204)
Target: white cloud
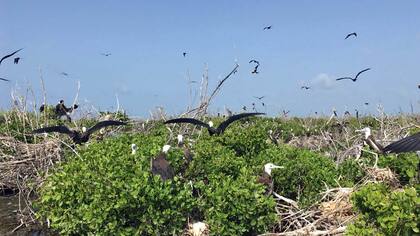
(323, 81)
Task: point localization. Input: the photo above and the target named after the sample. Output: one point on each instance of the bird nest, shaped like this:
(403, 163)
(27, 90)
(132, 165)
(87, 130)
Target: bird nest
(385, 175)
(329, 216)
(23, 168)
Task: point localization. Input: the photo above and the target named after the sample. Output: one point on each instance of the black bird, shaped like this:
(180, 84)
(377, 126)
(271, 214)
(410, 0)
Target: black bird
(285, 113)
(255, 71)
(366, 103)
(267, 27)
(16, 60)
(305, 87)
(184, 54)
(161, 166)
(42, 108)
(407, 144)
(106, 54)
(76, 136)
(65, 74)
(11, 54)
(244, 108)
(259, 98)
(355, 78)
(351, 34)
(418, 86)
(62, 110)
(220, 129)
(5, 79)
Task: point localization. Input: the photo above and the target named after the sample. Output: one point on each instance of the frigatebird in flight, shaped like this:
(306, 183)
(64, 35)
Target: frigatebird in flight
(355, 78)
(64, 73)
(220, 129)
(184, 54)
(305, 87)
(351, 34)
(267, 27)
(255, 71)
(5, 79)
(106, 54)
(259, 98)
(16, 60)
(76, 136)
(9, 55)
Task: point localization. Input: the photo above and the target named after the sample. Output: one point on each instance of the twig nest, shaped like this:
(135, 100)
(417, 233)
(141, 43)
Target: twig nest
(198, 229)
(382, 175)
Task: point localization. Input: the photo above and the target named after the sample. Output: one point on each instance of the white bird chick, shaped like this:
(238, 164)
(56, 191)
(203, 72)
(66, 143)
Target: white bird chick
(83, 129)
(270, 166)
(211, 123)
(366, 131)
(133, 148)
(198, 229)
(180, 139)
(166, 148)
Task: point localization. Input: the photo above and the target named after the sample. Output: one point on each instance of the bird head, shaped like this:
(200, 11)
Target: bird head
(83, 129)
(366, 131)
(180, 138)
(133, 148)
(270, 166)
(166, 148)
(211, 123)
(61, 102)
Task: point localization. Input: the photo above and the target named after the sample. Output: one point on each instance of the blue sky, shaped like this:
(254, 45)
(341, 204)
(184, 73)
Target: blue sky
(305, 46)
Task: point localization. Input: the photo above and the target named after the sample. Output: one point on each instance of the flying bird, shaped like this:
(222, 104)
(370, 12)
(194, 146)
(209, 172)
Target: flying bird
(16, 60)
(161, 166)
(106, 54)
(255, 71)
(220, 129)
(305, 87)
(184, 54)
(266, 178)
(254, 61)
(267, 27)
(355, 78)
(62, 110)
(259, 98)
(9, 55)
(5, 79)
(64, 73)
(351, 34)
(76, 136)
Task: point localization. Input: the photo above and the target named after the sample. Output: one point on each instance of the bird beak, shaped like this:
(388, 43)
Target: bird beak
(277, 167)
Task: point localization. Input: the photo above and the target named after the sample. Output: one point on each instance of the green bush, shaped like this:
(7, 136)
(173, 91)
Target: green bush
(108, 191)
(237, 206)
(405, 165)
(385, 212)
(351, 173)
(305, 173)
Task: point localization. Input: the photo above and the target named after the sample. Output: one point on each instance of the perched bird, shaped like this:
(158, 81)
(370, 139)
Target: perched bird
(267, 27)
(184, 54)
(161, 166)
(61, 110)
(266, 178)
(188, 156)
(351, 34)
(370, 140)
(407, 144)
(16, 60)
(76, 136)
(285, 113)
(5, 79)
(357, 113)
(42, 108)
(106, 54)
(220, 129)
(133, 148)
(9, 55)
(305, 87)
(355, 78)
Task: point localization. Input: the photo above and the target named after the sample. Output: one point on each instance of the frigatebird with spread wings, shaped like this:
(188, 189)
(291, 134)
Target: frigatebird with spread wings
(9, 55)
(355, 78)
(220, 129)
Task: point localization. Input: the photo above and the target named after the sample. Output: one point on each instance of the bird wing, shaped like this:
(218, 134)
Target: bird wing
(233, 118)
(344, 78)
(103, 124)
(59, 129)
(254, 61)
(407, 144)
(361, 72)
(162, 167)
(188, 120)
(4, 79)
(11, 54)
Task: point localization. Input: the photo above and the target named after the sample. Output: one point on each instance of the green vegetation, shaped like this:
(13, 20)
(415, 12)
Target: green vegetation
(106, 190)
